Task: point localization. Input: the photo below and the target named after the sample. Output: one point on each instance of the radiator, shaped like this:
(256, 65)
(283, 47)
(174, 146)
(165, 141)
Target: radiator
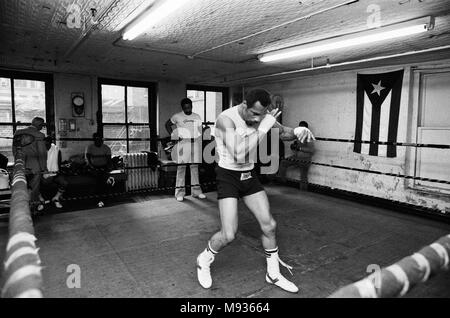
(139, 178)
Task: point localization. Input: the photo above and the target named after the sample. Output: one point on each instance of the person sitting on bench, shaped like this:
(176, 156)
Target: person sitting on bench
(98, 158)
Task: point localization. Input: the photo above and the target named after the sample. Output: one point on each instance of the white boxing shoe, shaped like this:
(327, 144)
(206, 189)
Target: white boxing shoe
(200, 196)
(273, 274)
(282, 282)
(204, 270)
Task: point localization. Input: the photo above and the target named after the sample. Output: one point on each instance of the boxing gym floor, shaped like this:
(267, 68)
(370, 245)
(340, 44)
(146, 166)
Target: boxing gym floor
(148, 248)
(102, 99)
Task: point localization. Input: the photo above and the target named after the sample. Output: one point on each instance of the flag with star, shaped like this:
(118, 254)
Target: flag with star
(377, 113)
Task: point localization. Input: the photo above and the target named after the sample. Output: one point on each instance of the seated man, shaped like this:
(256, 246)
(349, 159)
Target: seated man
(98, 158)
(303, 154)
(98, 155)
(53, 177)
(4, 176)
(3, 162)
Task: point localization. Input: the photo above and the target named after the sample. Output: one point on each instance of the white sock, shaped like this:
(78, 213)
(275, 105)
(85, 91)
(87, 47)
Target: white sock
(57, 195)
(273, 265)
(209, 252)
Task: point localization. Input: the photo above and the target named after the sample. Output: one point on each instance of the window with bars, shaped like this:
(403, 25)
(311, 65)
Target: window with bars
(128, 115)
(23, 96)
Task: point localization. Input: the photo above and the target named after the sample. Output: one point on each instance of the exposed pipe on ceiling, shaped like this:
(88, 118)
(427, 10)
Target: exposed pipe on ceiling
(277, 26)
(85, 35)
(118, 41)
(329, 66)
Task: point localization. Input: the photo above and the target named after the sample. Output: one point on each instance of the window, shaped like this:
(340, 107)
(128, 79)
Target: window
(207, 101)
(128, 115)
(23, 96)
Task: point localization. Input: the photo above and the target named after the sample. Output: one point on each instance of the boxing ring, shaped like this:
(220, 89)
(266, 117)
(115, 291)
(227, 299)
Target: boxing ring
(21, 275)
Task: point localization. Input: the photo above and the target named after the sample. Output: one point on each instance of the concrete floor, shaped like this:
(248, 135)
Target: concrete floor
(148, 248)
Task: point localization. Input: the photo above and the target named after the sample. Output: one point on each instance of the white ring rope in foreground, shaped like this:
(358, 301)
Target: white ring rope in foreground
(424, 265)
(25, 250)
(366, 288)
(401, 277)
(31, 293)
(18, 179)
(442, 252)
(21, 273)
(21, 237)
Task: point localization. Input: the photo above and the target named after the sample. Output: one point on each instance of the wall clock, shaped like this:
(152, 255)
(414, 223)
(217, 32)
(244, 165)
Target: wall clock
(78, 105)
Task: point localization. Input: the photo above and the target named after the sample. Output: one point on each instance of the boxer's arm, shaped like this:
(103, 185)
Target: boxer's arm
(302, 134)
(239, 147)
(169, 126)
(286, 133)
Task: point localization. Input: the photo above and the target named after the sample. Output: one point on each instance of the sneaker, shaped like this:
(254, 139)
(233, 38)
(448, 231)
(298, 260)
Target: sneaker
(57, 204)
(180, 199)
(282, 282)
(200, 196)
(204, 270)
(40, 207)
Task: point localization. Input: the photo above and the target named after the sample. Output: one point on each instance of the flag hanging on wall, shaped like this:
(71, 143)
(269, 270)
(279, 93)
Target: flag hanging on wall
(377, 112)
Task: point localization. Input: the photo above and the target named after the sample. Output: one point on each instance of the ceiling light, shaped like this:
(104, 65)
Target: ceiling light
(134, 14)
(360, 38)
(156, 13)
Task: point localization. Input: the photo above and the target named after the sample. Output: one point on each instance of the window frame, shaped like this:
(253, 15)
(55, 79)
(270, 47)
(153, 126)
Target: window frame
(47, 78)
(152, 111)
(217, 89)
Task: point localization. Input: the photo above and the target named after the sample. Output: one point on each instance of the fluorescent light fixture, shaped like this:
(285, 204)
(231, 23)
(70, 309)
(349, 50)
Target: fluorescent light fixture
(133, 15)
(156, 13)
(361, 38)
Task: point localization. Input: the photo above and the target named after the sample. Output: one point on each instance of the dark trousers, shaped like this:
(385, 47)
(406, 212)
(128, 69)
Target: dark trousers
(58, 180)
(34, 184)
(101, 176)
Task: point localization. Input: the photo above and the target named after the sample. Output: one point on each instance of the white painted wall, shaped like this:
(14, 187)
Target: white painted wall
(328, 103)
(64, 86)
(170, 94)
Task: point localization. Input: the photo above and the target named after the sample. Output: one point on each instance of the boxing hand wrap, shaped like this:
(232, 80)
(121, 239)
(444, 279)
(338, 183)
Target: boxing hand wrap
(303, 134)
(265, 124)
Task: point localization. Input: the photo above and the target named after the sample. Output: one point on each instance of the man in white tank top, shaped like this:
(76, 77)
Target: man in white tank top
(237, 134)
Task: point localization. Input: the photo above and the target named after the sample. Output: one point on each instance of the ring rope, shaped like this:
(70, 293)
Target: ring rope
(386, 143)
(383, 143)
(424, 262)
(22, 272)
(398, 175)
